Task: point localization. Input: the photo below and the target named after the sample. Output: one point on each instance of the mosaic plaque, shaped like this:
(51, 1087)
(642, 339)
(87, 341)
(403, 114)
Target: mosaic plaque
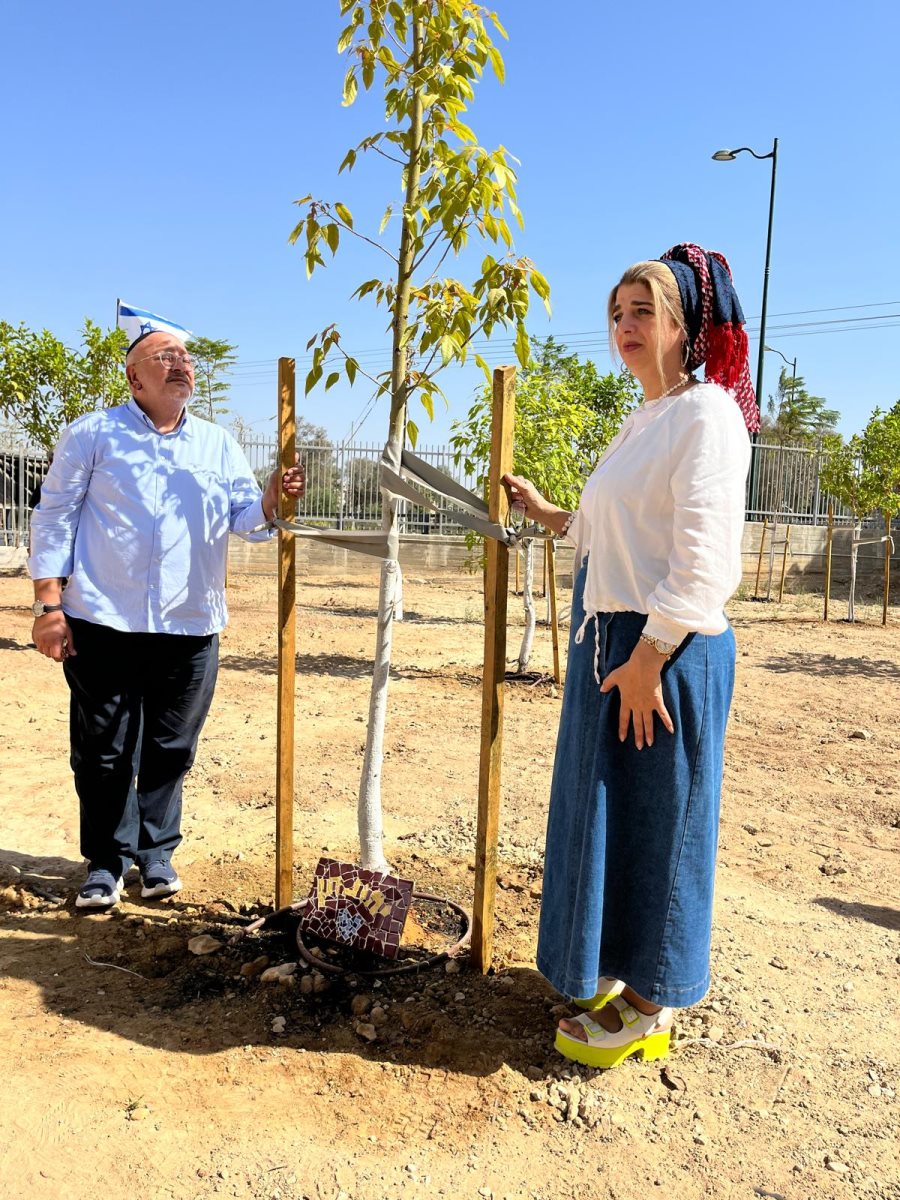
(362, 909)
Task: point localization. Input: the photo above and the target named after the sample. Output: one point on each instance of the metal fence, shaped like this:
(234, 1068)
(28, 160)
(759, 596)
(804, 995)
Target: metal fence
(342, 487)
(21, 470)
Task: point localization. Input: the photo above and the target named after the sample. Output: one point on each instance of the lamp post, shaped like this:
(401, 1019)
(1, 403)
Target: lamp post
(730, 156)
(791, 363)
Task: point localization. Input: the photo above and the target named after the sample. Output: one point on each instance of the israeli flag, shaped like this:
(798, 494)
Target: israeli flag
(136, 321)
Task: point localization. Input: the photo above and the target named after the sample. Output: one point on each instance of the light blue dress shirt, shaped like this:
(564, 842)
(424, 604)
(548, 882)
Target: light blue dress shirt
(139, 521)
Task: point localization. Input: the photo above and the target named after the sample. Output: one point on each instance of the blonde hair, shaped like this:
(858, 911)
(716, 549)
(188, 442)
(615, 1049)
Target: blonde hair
(663, 288)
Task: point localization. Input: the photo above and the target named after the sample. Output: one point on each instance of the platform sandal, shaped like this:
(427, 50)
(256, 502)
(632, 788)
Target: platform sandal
(640, 1035)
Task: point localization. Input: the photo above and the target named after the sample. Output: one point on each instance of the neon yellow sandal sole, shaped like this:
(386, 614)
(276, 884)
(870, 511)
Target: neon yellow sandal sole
(638, 1036)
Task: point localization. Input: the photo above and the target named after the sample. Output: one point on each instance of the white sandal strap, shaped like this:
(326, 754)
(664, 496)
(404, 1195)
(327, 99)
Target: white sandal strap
(636, 1026)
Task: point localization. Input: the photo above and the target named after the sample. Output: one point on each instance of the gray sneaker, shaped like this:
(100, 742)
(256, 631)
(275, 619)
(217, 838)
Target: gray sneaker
(100, 890)
(159, 879)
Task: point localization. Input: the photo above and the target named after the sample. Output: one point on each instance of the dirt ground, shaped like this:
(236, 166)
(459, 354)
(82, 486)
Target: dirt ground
(164, 1079)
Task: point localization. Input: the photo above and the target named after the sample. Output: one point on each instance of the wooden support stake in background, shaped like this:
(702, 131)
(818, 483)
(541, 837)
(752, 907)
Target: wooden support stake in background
(762, 546)
(887, 566)
(496, 583)
(287, 646)
(787, 546)
(828, 541)
(550, 551)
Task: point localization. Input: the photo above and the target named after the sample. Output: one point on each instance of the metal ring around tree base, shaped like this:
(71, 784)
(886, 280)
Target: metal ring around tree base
(419, 965)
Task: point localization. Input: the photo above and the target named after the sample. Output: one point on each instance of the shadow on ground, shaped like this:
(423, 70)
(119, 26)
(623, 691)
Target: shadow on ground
(129, 972)
(830, 664)
(344, 666)
(875, 914)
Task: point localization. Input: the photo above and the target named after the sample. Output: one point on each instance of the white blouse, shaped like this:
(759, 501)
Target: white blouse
(662, 515)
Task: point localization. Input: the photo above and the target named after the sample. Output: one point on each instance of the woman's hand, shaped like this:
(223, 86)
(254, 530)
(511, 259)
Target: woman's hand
(640, 694)
(536, 507)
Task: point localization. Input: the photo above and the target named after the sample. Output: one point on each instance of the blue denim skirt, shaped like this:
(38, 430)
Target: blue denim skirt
(632, 834)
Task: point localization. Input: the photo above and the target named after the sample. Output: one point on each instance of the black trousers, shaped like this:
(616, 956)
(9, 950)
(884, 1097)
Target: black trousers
(138, 703)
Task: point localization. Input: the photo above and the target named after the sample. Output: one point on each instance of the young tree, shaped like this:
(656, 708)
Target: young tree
(794, 417)
(45, 385)
(213, 361)
(428, 55)
(566, 414)
(323, 482)
(864, 474)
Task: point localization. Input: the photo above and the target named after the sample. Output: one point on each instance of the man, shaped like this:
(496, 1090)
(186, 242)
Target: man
(136, 510)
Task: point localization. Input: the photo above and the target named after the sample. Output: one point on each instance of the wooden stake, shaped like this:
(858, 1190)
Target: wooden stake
(516, 588)
(828, 540)
(546, 560)
(496, 583)
(762, 545)
(287, 646)
(787, 544)
(550, 551)
(887, 566)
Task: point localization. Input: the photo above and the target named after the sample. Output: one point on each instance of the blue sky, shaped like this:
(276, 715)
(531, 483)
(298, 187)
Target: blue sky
(153, 154)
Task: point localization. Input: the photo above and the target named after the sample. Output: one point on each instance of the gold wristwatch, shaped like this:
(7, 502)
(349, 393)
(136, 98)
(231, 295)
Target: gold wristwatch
(666, 649)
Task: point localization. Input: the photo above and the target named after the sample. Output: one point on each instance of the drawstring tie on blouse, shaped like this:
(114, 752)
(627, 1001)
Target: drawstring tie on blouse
(600, 628)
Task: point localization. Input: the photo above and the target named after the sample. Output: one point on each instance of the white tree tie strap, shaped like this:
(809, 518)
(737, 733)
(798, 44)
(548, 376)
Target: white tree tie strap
(469, 509)
(363, 541)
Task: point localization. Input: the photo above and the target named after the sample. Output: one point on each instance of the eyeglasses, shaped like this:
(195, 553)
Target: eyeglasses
(168, 358)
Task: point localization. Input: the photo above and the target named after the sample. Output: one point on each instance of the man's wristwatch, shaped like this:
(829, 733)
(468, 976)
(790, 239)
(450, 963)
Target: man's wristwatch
(39, 608)
(666, 649)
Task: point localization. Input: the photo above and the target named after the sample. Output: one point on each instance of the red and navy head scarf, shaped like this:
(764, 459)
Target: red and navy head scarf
(714, 322)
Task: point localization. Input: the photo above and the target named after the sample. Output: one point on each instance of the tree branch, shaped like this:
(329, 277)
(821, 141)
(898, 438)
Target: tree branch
(384, 154)
(423, 375)
(362, 237)
(464, 220)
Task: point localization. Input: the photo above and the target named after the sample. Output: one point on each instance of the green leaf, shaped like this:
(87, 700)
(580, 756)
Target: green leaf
(351, 366)
(351, 87)
(332, 379)
(387, 216)
(345, 39)
(542, 287)
(481, 363)
(332, 237)
(523, 350)
(304, 199)
(312, 379)
(428, 404)
(448, 349)
(344, 213)
(349, 161)
(412, 432)
(496, 61)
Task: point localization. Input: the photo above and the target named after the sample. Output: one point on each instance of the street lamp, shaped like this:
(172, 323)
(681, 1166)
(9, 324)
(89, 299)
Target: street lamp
(730, 156)
(790, 363)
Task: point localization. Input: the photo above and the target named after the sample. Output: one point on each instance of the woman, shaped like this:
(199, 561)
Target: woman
(631, 838)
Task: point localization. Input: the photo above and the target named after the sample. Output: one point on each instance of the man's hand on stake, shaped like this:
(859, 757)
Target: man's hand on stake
(293, 484)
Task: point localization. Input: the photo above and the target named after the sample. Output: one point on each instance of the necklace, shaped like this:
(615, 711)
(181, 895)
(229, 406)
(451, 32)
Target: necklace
(679, 382)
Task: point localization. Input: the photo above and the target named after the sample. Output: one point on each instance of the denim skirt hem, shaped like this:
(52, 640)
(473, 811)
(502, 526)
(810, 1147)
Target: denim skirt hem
(632, 834)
